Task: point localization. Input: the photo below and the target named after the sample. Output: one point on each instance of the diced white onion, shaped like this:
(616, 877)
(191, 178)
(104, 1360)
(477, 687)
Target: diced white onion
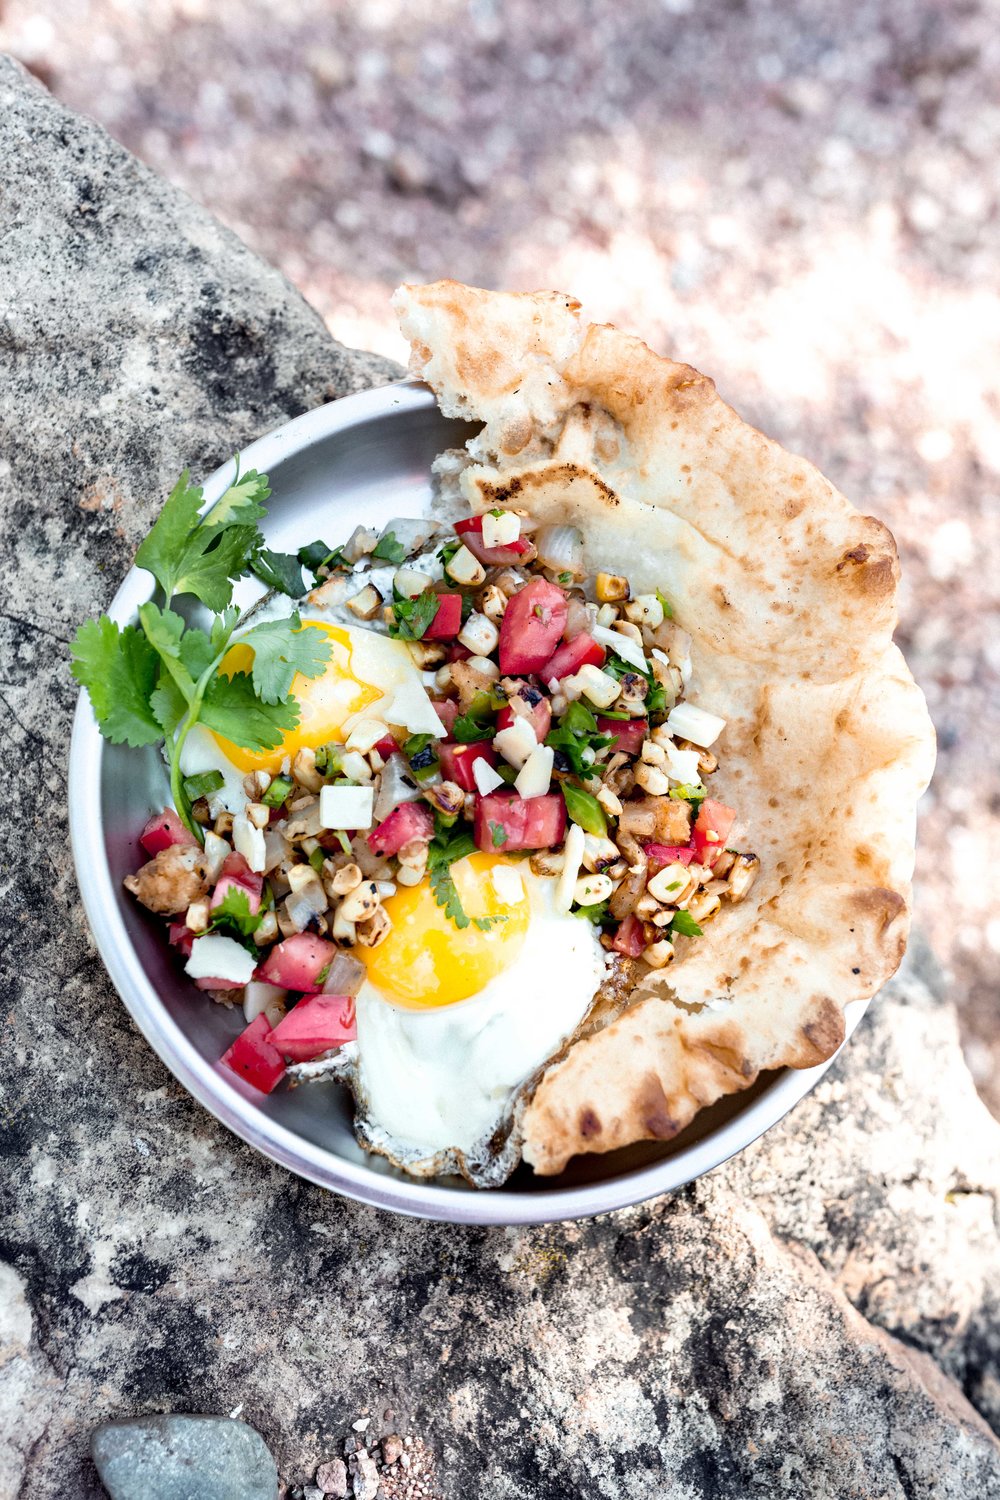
(486, 778)
(218, 957)
(486, 665)
(517, 742)
(355, 767)
(276, 848)
(572, 859)
(479, 635)
(623, 646)
(258, 998)
(508, 884)
(396, 787)
(561, 549)
(346, 806)
(536, 773)
(345, 975)
(464, 568)
(249, 841)
(689, 722)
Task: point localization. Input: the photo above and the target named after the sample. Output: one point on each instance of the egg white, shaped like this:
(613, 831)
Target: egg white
(443, 1077)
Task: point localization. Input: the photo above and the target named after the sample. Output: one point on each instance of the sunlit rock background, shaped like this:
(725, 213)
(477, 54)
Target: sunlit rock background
(800, 199)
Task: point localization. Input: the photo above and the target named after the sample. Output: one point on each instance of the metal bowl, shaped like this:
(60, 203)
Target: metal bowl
(364, 458)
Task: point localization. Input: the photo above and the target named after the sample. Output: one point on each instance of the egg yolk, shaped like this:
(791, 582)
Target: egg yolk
(324, 702)
(426, 960)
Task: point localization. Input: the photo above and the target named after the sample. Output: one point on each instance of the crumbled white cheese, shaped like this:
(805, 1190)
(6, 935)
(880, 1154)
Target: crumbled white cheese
(536, 773)
(346, 806)
(572, 860)
(688, 722)
(516, 742)
(486, 778)
(218, 957)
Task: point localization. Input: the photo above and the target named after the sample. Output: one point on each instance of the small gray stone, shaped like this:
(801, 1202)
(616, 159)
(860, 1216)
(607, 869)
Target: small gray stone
(332, 1478)
(366, 1479)
(178, 1457)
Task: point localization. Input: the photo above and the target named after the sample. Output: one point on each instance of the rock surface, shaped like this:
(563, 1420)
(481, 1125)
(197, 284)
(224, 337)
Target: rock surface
(816, 1319)
(183, 1458)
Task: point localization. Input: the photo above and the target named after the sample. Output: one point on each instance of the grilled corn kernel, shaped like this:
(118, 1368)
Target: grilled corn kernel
(703, 907)
(361, 903)
(346, 880)
(591, 889)
(610, 588)
(267, 929)
(304, 769)
(651, 780)
(658, 955)
(742, 875)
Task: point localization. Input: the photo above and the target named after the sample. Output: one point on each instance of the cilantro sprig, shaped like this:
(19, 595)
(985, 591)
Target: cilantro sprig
(234, 916)
(413, 617)
(156, 680)
(446, 847)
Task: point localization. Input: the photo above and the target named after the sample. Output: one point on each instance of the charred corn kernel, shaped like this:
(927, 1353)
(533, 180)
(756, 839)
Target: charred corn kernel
(645, 609)
(670, 884)
(409, 875)
(598, 853)
(651, 780)
(493, 603)
(344, 930)
(442, 678)
(609, 801)
(366, 734)
(724, 864)
(361, 903)
(484, 665)
(591, 889)
(629, 631)
(546, 864)
(653, 754)
(267, 929)
(374, 930)
(346, 880)
(196, 917)
(304, 769)
(703, 907)
(607, 615)
(426, 654)
(659, 954)
(256, 784)
(610, 588)
(742, 875)
(258, 814)
(223, 824)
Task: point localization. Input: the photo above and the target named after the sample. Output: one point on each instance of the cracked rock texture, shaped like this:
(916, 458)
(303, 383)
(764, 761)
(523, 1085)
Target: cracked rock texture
(817, 1318)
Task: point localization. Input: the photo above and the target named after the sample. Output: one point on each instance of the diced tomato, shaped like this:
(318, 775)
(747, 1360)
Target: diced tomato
(568, 658)
(448, 620)
(315, 1025)
(531, 628)
(181, 937)
(471, 532)
(254, 1058)
(446, 710)
(163, 830)
(411, 820)
(661, 855)
(386, 746)
(629, 733)
(540, 718)
(237, 873)
(458, 652)
(298, 962)
(711, 829)
(630, 938)
(505, 821)
(457, 762)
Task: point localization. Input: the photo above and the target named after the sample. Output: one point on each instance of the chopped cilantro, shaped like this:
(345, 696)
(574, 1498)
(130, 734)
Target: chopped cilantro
(447, 552)
(318, 555)
(413, 617)
(565, 579)
(279, 570)
(466, 730)
(685, 924)
(233, 913)
(445, 848)
(499, 835)
(389, 549)
(575, 734)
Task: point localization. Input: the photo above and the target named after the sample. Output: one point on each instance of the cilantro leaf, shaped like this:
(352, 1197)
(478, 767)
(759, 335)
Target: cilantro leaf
(242, 502)
(166, 541)
(280, 649)
(119, 670)
(447, 552)
(189, 556)
(168, 703)
(232, 708)
(279, 570)
(467, 731)
(318, 555)
(445, 848)
(233, 913)
(389, 549)
(685, 924)
(414, 616)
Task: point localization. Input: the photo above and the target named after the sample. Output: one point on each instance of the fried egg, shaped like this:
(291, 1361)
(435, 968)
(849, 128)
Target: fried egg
(452, 1022)
(365, 672)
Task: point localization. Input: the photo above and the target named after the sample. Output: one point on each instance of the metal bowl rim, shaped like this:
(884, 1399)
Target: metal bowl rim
(415, 1198)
